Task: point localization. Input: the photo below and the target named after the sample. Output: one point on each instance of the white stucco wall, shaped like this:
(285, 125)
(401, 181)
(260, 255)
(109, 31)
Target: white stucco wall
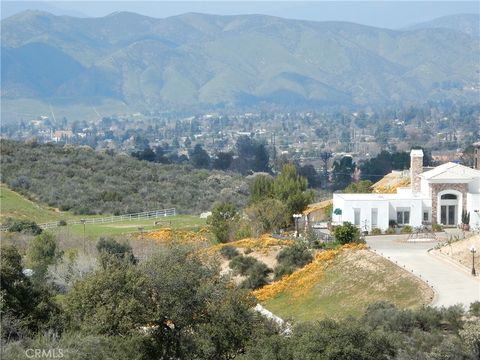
(386, 209)
(473, 206)
(474, 186)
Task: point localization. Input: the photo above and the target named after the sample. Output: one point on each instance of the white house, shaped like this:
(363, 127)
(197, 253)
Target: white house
(436, 196)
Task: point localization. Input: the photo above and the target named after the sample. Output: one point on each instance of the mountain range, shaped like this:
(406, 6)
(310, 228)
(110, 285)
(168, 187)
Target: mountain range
(207, 60)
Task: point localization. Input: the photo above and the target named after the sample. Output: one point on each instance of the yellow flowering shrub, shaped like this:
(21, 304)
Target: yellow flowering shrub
(302, 280)
(167, 235)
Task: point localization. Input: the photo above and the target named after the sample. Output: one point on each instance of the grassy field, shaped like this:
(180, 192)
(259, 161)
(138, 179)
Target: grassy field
(183, 222)
(16, 206)
(354, 279)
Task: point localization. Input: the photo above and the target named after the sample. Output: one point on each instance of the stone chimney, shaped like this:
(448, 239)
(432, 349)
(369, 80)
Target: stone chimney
(416, 168)
(476, 156)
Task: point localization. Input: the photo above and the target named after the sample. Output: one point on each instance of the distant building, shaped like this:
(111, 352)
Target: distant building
(62, 135)
(439, 195)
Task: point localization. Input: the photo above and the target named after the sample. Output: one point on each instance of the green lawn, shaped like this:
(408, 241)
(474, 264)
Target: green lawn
(16, 206)
(352, 281)
(184, 222)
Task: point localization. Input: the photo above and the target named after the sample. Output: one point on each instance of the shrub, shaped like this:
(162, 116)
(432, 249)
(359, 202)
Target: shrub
(229, 252)
(25, 226)
(295, 256)
(453, 315)
(248, 251)
(243, 231)
(257, 276)
(437, 227)
(312, 240)
(407, 229)
(112, 251)
(241, 264)
(347, 233)
(376, 231)
(390, 231)
(62, 223)
(282, 270)
(475, 308)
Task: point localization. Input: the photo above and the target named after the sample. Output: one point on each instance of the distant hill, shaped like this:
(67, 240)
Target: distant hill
(85, 182)
(207, 60)
(465, 23)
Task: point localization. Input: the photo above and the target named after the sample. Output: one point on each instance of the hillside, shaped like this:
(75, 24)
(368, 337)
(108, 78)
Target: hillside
(465, 23)
(15, 206)
(88, 182)
(206, 60)
(344, 285)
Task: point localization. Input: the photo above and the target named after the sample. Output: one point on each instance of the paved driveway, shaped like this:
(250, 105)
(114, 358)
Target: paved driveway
(452, 285)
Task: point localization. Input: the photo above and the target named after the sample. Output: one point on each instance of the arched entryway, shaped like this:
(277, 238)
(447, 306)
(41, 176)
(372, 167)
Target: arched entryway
(449, 207)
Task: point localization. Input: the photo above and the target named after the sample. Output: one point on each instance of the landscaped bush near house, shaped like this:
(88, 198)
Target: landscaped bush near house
(390, 231)
(407, 229)
(346, 233)
(229, 252)
(437, 227)
(376, 231)
(392, 223)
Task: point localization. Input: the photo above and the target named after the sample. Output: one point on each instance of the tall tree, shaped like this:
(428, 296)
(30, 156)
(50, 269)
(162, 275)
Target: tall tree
(222, 220)
(261, 159)
(291, 189)
(223, 160)
(41, 253)
(343, 172)
(261, 188)
(199, 157)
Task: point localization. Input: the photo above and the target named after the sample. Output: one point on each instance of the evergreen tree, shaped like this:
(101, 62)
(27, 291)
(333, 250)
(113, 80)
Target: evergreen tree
(343, 172)
(291, 189)
(199, 157)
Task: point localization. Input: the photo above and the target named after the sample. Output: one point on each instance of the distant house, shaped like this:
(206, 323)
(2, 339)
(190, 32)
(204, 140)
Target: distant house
(61, 135)
(437, 196)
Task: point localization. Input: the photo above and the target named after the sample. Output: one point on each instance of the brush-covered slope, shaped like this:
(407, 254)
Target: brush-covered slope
(197, 59)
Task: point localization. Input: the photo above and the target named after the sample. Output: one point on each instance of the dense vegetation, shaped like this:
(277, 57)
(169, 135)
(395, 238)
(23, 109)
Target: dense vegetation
(177, 305)
(87, 182)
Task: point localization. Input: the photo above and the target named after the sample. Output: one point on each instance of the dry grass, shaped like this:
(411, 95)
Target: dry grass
(459, 251)
(344, 285)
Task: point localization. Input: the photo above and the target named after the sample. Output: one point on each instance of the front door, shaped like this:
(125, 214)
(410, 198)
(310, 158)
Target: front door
(448, 214)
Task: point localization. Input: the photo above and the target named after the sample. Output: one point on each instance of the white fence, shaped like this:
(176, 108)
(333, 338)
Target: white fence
(111, 219)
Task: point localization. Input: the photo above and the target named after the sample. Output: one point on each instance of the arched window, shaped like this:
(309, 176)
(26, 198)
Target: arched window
(449, 197)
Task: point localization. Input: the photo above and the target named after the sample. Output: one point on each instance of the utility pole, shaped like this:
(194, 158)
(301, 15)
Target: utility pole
(83, 222)
(325, 156)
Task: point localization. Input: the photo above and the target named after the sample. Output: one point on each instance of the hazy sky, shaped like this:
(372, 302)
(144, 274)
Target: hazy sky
(390, 14)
